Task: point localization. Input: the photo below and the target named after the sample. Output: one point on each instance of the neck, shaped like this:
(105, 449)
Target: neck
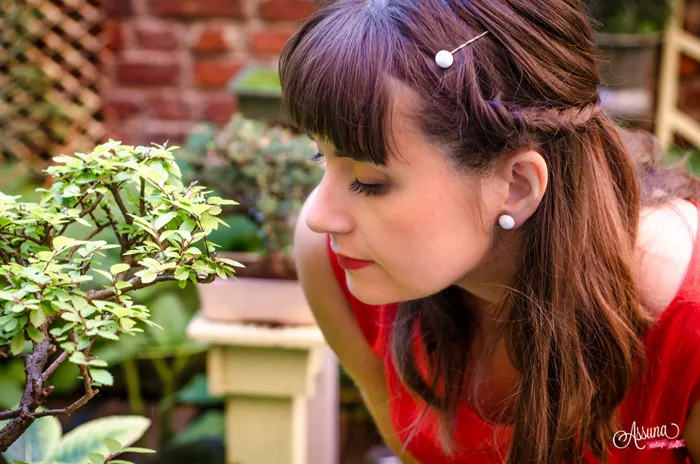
(485, 286)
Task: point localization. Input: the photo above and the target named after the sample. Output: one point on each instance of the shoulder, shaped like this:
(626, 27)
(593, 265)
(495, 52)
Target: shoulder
(664, 251)
(330, 307)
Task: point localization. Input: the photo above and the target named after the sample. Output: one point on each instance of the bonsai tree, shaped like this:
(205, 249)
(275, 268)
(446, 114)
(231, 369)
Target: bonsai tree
(630, 16)
(56, 301)
(268, 169)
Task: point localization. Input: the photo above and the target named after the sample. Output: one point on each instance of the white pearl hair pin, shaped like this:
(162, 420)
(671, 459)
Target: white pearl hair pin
(444, 59)
(506, 221)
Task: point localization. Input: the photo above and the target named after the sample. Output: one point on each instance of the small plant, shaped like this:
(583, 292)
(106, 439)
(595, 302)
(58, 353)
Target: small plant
(99, 441)
(269, 171)
(52, 309)
(630, 16)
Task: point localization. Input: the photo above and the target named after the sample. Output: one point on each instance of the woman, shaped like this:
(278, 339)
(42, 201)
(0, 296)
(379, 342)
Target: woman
(529, 290)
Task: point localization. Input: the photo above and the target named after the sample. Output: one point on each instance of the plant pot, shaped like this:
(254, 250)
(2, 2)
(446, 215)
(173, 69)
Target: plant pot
(267, 300)
(259, 101)
(628, 61)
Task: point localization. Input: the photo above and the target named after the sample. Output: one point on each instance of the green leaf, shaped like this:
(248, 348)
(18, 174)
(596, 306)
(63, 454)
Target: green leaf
(138, 450)
(77, 358)
(127, 323)
(62, 242)
(208, 425)
(34, 334)
(104, 274)
(37, 317)
(17, 344)
(187, 225)
(196, 392)
(147, 276)
(39, 443)
(107, 334)
(11, 324)
(78, 301)
(71, 317)
(45, 255)
(89, 437)
(182, 273)
(96, 458)
(121, 285)
(101, 376)
(164, 220)
(112, 445)
(97, 363)
(119, 268)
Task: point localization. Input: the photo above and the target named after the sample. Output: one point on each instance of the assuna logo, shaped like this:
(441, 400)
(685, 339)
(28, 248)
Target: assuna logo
(664, 437)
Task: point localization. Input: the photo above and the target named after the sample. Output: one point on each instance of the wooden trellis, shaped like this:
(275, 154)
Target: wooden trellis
(49, 78)
(670, 120)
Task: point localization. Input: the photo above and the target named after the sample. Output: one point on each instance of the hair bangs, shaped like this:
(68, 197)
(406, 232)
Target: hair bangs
(335, 75)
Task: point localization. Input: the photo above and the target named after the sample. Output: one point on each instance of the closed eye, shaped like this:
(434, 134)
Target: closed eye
(367, 190)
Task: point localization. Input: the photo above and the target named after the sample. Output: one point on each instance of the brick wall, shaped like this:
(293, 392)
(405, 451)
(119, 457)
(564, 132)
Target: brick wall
(167, 62)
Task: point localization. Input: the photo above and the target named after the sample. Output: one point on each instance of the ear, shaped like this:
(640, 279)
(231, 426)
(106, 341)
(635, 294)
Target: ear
(526, 175)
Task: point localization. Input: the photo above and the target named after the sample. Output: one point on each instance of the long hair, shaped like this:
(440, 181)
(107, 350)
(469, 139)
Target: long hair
(571, 319)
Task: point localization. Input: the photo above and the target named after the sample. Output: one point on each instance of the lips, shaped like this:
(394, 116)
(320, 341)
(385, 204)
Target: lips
(351, 264)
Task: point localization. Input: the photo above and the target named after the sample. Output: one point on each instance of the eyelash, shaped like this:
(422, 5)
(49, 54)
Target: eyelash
(368, 190)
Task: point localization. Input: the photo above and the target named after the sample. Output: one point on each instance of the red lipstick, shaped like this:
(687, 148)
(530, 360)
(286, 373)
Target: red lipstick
(353, 264)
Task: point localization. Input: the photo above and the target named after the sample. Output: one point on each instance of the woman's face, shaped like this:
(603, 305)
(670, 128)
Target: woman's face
(423, 230)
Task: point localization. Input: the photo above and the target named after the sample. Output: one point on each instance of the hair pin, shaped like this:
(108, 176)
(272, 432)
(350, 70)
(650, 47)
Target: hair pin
(444, 59)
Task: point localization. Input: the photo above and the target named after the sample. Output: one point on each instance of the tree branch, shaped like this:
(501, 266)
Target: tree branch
(69, 409)
(57, 362)
(118, 198)
(11, 414)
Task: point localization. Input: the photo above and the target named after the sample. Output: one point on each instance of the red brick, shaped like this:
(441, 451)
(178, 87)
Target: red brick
(688, 67)
(113, 34)
(169, 107)
(197, 8)
(131, 72)
(211, 73)
(269, 41)
(121, 107)
(689, 95)
(287, 10)
(117, 8)
(211, 40)
(220, 108)
(156, 39)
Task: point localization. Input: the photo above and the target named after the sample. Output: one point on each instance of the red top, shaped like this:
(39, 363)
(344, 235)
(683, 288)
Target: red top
(654, 410)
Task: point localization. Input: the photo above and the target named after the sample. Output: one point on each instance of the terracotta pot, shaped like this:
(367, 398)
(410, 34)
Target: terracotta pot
(265, 292)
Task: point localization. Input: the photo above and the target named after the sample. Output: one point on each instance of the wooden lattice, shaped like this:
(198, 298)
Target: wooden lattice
(49, 78)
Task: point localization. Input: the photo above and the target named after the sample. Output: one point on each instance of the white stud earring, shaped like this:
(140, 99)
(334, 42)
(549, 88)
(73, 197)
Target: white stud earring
(506, 221)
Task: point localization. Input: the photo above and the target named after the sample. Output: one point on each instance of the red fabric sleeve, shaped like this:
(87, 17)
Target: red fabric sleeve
(367, 316)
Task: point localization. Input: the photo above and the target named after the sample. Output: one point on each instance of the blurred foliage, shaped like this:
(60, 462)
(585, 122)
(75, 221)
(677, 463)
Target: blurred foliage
(97, 441)
(630, 16)
(266, 169)
(259, 78)
(676, 153)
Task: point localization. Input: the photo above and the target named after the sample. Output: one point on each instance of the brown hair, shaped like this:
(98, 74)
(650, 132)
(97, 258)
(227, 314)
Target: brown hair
(571, 320)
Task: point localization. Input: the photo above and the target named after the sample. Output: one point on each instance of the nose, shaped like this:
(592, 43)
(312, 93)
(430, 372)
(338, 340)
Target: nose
(325, 212)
